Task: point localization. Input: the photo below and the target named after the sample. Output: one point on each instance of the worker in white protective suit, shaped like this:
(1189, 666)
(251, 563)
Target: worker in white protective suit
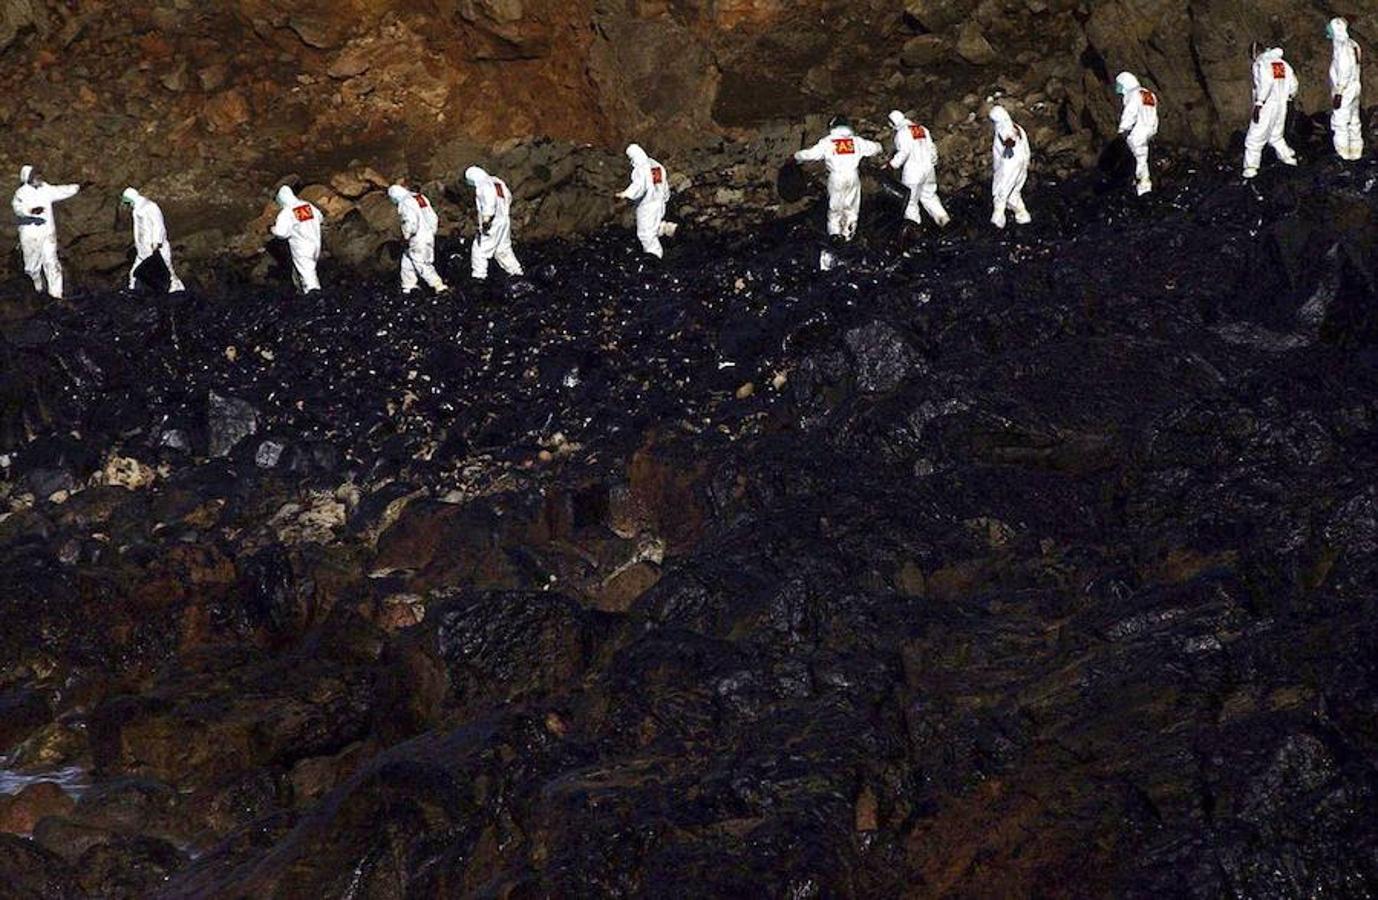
(1138, 125)
(299, 224)
(1011, 154)
(33, 212)
(916, 158)
(1346, 89)
(493, 198)
(650, 190)
(419, 224)
(843, 152)
(150, 237)
(1275, 84)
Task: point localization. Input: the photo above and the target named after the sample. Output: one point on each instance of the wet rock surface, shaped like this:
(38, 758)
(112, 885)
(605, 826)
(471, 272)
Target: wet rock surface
(1027, 563)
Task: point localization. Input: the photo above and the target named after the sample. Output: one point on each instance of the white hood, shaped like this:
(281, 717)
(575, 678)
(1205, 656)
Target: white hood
(1339, 30)
(476, 176)
(397, 193)
(287, 197)
(898, 119)
(1126, 82)
(638, 156)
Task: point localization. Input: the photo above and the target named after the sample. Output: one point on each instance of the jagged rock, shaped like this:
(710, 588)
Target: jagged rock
(229, 420)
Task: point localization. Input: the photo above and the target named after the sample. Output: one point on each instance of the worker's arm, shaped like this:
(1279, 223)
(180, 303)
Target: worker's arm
(637, 189)
(1130, 117)
(282, 228)
(817, 153)
(60, 192)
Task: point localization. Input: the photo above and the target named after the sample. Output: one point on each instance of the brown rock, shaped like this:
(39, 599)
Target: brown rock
(332, 204)
(924, 50)
(378, 211)
(20, 812)
(319, 29)
(225, 112)
(50, 747)
(973, 47)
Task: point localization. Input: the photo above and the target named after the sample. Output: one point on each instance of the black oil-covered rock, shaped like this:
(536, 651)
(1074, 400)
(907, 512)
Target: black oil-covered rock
(1026, 563)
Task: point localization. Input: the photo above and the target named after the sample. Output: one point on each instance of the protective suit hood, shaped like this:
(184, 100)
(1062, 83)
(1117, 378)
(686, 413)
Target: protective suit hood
(287, 196)
(1000, 116)
(1337, 30)
(25, 174)
(476, 176)
(637, 155)
(1272, 53)
(1126, 82)
(898, 119)
(841, 131)
(130, 196)
(397, 193)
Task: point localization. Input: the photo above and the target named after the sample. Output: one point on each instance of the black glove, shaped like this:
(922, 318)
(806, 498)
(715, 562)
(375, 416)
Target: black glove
(1009, 150)
(1258, 111)
(1337, 101)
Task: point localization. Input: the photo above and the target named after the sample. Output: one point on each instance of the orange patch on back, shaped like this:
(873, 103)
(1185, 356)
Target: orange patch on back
(918, 132)
(303, 213)
(844, 146)
(1279, 71)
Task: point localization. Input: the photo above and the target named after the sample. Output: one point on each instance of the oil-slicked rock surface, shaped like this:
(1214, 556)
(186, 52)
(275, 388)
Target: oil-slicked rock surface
(1037, 563)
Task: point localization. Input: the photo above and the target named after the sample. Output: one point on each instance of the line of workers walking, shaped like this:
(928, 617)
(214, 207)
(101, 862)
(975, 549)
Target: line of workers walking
(842, 150)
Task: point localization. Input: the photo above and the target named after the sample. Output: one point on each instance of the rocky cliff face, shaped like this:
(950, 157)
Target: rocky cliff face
(208, 106)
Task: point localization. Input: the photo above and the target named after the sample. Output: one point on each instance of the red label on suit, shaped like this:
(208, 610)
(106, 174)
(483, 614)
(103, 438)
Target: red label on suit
(303, 213)
(917, 132)
(1280, 71)
(1150, 99)
(844, 146)
(657, 175)
(422, 202)
(497, 186)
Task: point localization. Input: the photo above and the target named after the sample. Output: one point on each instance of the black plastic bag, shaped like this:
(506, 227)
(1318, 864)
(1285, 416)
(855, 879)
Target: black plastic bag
(153, 274)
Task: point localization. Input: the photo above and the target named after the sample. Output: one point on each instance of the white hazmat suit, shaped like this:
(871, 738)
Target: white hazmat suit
(150, 237)
(494, 239)
(650, 190)
(1139, 125)
(1275, 84)
(1011, 155)
(916, 158)
(299, 224)
(33, 211)
(843, 152)
(1346, 87)
(419, 224)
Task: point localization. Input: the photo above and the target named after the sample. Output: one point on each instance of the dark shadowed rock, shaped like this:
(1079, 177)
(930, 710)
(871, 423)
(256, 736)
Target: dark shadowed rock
(28, 871)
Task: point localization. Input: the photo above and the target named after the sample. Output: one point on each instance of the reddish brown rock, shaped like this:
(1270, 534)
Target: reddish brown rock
(20, 812)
